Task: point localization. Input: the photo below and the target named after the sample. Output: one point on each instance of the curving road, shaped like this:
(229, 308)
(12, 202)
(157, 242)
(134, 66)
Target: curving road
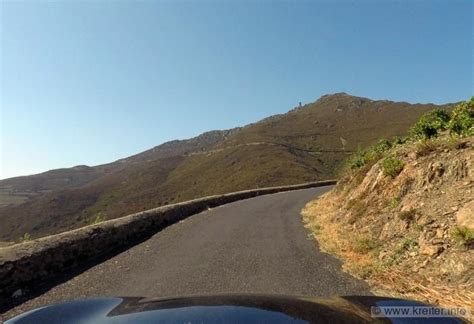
(258, 245)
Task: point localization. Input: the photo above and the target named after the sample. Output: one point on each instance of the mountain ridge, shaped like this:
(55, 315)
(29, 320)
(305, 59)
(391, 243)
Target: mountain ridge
(305, 144)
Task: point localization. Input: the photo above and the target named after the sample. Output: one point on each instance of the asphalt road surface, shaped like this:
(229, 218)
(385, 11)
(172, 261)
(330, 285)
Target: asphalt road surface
(258, 245)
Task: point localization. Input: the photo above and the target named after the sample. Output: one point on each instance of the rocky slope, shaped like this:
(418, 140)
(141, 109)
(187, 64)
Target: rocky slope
(405, 220)
(305, 144)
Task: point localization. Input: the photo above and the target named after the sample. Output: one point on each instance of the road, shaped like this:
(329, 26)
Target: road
(258, 245)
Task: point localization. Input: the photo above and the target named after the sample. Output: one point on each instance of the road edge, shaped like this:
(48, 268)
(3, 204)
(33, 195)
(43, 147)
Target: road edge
(24, 265)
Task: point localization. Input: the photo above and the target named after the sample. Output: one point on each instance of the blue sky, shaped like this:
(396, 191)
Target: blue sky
(89, 82)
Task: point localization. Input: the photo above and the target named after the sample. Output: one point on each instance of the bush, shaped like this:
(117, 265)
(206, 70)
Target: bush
(364, 157)
(463, 235)
(430, 124)
(382, 146)
(358, 159)
(392, 167)
(393, 203)
(99, 218)
(26, 237)
(462, 119)
(399, 140)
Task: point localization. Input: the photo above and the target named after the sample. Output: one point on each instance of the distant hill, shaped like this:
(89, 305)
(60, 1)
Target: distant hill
(305, 144)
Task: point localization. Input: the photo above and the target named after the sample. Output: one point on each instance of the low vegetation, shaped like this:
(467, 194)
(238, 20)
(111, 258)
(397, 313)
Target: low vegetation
(424, 147)
(392, 167)
(25, 237)
(371, 154)
(393, 203)
(99, 218)
(414, 195)
(399, 253)
(463, 235)
(459, 123)
(430, 124)
(365, 244)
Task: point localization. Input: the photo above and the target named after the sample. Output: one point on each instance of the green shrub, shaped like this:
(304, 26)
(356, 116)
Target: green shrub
(430, 124)
(393, 203)
(463, 235)
(399, 140)
(382, 146)
(392, 167)
(462, 119)
(99, 218)
(363, 157)
(357, 159)
(26, 237)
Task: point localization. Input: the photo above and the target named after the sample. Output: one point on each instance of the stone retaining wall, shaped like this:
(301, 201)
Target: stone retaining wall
(24, 265)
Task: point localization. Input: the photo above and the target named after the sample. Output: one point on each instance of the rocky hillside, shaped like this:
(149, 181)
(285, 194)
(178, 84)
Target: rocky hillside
(307, 143)
(402, 215)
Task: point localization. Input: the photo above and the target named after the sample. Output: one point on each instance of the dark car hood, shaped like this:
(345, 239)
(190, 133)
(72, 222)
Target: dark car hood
(221, 309)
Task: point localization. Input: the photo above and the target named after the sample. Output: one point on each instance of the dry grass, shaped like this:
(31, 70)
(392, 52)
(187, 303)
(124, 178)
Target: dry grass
(365, 244)
(425, 147)
(388, 280)
(332, 238)
(407, 215)
(453, 143)
(408, 286)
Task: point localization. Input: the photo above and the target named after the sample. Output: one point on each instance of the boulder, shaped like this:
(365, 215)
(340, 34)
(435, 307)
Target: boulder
(465, 216)
(431, 250)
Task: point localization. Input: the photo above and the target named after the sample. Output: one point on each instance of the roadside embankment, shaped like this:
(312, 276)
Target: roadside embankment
(405, 221)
